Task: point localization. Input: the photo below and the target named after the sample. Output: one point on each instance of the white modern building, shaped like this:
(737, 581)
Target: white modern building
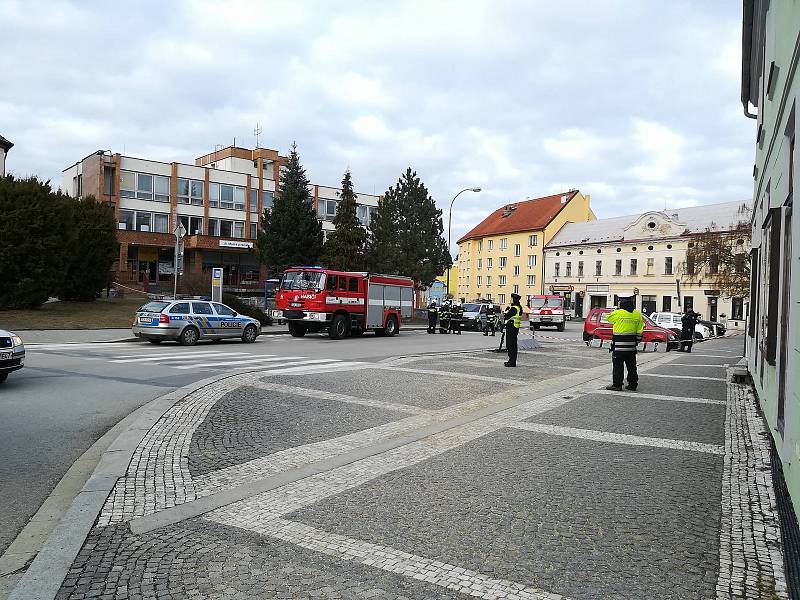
(5, 146)
(220, 199)
(591, 262)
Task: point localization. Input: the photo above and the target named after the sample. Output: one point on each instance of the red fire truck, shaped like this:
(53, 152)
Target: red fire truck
(313, 299)
(546, 311)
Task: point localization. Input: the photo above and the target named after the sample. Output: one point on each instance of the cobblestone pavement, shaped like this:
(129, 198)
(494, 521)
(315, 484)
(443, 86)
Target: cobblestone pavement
(449, 477)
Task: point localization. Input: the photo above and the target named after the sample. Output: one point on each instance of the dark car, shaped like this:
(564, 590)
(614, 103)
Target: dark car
(12, 353)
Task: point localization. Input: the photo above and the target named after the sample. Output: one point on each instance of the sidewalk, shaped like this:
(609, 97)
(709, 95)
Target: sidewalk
(435, 477)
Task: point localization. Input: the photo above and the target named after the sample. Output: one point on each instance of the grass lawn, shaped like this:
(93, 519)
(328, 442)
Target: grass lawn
(100, 314)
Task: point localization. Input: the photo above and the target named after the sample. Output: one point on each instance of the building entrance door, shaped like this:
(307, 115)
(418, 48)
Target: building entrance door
(598, 301)
(648, 305)
(579, 306)
(712, 308)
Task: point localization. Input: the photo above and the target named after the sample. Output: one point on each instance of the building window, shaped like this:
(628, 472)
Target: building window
(598, 268)
(650, 265)
(618, 267)
(143, 221)
(480, 263)
(501, 280)
(568, 272)
(531, 261)
(517, 249)
(634, 266)
(488, 281)
(688, 303)
(239, 197)
(362, 212)
(516, 270)
(161, 186)
(531, 280)
(713, 264)
(144, 186)
(501, 298)
(213, 195)
(192, 225)
(480, 245)
(326, 209)
(253, 201)
(489, 263)
(580, 268)
(126, 220)
(503, 261)
(503, 243)
(668, 265)
(190, 191)
(225, 228)
(490, 245)
(253, 231)
(213, 227)
(737, 308)
(557, 269)
(666, 305)
(478, 280)
(161, 222)
(238, 229)
(516, 289)
(690, 266)
(267, 200)
(533, 240)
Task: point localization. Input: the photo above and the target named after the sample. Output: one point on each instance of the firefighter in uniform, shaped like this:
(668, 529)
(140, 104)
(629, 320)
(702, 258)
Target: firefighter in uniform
(456, 317)
(688, 324)
(513, 319)
(492, 320)
(444, 317)
(628, 327)
(433, 316)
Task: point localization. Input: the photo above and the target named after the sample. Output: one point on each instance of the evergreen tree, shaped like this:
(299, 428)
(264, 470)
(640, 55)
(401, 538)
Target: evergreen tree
(36, 231)
(92, 252)
(406, 236)
(291, 233)
(345, 246)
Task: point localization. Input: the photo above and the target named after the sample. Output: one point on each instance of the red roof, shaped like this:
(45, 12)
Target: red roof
(528, 215)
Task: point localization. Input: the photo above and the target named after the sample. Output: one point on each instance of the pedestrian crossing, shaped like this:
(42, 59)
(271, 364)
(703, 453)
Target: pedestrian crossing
(190, 359)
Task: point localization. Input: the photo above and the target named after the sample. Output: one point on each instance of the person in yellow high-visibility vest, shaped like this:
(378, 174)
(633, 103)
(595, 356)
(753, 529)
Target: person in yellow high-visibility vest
(628, 327)
(513, 318)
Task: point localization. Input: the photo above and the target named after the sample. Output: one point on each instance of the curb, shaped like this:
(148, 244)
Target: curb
(54, 558)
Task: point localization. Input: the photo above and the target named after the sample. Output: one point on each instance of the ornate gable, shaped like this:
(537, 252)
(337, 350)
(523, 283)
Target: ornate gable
(654, 224)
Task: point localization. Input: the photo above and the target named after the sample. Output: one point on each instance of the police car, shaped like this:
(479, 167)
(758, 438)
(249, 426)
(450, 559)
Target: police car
(12, 353)
(188, 321)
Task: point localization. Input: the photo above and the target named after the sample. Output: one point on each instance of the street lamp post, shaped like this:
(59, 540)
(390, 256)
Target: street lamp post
(449, 227)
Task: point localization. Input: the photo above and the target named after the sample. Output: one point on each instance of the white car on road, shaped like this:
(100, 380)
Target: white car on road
(672, 321)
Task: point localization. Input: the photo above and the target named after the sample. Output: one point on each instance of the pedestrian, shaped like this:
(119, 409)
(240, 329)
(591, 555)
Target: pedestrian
(433, 316)
(688, 324)
(628, 327)
(491, 320)
(444, 317)
(513, 319)
(456, 318)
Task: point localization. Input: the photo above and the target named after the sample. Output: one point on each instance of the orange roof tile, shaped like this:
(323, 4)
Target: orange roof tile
(529, 215)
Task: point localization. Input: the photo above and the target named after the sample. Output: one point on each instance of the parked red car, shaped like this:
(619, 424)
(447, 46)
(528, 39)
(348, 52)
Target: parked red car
(596, 326)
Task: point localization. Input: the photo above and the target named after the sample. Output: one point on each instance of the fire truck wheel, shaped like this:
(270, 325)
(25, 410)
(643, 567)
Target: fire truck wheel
(391, 326)
(297, 329)
(339, 327)
(560, 327)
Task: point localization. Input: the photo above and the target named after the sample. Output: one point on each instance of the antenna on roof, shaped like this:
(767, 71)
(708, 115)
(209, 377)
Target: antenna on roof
(257, 131)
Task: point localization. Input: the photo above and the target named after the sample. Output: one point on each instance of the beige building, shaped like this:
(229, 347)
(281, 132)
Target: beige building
(591, 263)
(503, 253)
(5, 146)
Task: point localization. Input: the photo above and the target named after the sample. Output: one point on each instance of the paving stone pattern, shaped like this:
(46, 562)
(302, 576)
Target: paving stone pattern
(250, 423)
(548, 513)
(699, 388)
(641, 416)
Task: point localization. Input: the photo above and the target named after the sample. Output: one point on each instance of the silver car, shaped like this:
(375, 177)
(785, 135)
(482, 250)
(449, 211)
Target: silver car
(188, 321)
(12, 353)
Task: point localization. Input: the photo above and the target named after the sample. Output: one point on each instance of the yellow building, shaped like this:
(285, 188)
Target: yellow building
(503, 254)
(453, 271)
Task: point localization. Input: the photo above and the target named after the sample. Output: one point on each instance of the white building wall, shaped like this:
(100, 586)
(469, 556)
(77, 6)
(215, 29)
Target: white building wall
(2, 162)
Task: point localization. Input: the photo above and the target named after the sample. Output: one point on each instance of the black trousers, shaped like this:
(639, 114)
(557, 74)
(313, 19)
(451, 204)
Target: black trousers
(621, 361)
(432, 324)
(511, 344)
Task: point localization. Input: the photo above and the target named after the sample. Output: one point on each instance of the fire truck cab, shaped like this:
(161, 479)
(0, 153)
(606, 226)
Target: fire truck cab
(313, 299)
(546, 311)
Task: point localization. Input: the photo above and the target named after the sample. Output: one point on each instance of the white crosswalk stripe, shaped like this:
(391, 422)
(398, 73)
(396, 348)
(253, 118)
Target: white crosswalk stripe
(178, 357)
(238, 361)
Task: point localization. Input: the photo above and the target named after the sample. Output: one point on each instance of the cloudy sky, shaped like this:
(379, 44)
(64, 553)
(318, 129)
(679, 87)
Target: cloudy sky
(634, 102)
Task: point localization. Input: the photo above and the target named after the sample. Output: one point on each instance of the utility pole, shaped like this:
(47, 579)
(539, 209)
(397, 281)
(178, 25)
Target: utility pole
(180, 232)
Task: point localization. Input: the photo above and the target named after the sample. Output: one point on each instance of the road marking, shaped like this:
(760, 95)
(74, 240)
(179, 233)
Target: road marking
(449, 374)
(310, 367)
(658, 397)
(620, 438)
(176, 357)
(714, 355)
(222, 363)
(386, 558)
(723, 366)
(685, 377)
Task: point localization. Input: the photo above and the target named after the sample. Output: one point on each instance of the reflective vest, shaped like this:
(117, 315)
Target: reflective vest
(628, 328)
(514, 315)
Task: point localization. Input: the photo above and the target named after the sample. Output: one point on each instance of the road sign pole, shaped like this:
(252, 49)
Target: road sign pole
(180, 231)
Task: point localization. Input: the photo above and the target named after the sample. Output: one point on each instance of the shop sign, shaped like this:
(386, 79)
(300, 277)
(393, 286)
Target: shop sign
(597, 289)
(235, 244)
(711, 292)
(562, 288)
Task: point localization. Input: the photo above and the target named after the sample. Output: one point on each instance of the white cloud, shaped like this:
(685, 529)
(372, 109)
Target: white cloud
(662, 148)
(576, 144)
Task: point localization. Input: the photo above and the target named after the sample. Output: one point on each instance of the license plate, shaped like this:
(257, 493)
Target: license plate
(277, 314)
(547, 319)
(5, 355)
(295, 304)
(146, 320)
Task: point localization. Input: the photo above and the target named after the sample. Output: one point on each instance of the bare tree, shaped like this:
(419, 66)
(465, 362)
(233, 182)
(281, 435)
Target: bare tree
(718, 257)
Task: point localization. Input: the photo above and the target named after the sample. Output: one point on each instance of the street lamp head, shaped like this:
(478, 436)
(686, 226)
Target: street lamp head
(476, 189)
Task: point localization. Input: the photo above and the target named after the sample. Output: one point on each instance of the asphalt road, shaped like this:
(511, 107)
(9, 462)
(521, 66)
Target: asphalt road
(68, 396)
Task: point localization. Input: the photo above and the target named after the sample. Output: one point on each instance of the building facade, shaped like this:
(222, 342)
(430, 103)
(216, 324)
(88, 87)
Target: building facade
(220, 200)
(503, 254)
(5, 146)
(590, 263)
(770, 55)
